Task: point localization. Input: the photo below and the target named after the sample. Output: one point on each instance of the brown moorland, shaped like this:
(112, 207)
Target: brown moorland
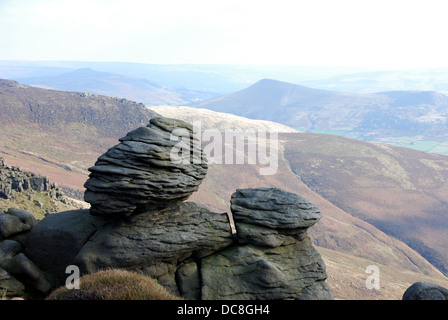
(64, 150)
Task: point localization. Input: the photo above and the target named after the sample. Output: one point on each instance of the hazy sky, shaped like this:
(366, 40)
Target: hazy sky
(377, 33)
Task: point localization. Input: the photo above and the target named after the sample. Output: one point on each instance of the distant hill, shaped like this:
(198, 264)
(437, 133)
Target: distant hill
(109, 84)
(21, 104)
(377, 81)
(373, 117)
(44, 131)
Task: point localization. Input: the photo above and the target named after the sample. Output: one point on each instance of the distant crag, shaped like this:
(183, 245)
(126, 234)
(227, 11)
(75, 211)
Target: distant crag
(110, 116)
(32, 192)
(14, 179)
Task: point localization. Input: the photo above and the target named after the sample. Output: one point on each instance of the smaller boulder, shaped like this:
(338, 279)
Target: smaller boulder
(25, 217)
(271, 217)
(10, 286)
(273, 208)
(425, 291)
(274, 258)
(8, 249)
(25, 269)
(15, 221)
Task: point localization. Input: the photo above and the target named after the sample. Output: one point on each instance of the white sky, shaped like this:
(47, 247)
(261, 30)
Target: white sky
(369, 33)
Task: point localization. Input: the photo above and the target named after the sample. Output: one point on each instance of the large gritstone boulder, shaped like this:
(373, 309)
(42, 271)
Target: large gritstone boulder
(275, 258)
(151, 166)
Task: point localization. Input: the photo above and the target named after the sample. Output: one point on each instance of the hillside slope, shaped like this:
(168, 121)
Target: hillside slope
(60, 134)
(109, 84)
(401, 191)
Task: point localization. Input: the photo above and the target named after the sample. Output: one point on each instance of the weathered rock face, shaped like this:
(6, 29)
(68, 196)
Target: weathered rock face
(15, 221)
(157, 243)
(425, 291)
(16, 269)
(275, 258)
(138, 221)
(139, 172)
(56, 240)
(15, 179)
(192, 251)
(270, 217)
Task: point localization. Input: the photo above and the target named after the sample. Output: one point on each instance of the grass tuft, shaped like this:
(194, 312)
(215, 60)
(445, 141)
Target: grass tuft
(114, 284)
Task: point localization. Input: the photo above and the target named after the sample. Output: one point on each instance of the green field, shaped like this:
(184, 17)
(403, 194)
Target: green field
(439, 147)
(420, 145)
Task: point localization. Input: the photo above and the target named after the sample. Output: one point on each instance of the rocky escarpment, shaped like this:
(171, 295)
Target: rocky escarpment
(139, 172)
(15, 179)
(32, 192)
(138, 221)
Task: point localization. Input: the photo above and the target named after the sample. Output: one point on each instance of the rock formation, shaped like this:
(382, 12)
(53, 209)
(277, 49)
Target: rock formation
(16, 269)
(192, 251)
(31, 192)
(274, 258)
(157, 243)
(15, 179)
(139, 222)
(139, 173)
(425, 291)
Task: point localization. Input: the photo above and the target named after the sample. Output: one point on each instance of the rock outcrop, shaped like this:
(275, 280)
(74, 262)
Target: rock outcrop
(139, 222)
(15, 221)
(157, 243)
(139, 172)
(57, 239)
(192, 251)
(15, 179)
(425, 291)
(17, 271)
(274, 258)
(31, 192)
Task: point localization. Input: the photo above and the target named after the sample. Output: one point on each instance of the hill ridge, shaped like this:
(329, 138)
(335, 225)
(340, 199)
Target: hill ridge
(380, 116)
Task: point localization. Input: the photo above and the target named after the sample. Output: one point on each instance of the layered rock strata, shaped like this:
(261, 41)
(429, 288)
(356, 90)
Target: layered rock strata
(274, 258)
(140, 172)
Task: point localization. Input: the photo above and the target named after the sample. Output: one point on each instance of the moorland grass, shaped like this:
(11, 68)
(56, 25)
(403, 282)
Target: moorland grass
(114, 284)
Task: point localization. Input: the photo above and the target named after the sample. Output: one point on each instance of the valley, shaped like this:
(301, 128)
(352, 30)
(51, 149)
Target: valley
(61, 134)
